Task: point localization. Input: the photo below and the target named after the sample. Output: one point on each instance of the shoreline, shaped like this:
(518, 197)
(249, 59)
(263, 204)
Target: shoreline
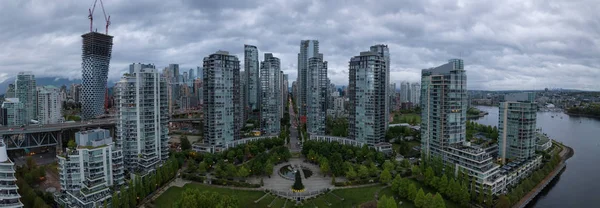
(581, 115)
(533, 195)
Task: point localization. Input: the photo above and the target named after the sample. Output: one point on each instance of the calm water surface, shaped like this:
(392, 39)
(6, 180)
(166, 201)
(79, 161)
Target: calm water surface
(579, 184)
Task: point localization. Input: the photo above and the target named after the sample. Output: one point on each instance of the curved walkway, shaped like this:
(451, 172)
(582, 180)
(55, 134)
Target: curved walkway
(565, 154)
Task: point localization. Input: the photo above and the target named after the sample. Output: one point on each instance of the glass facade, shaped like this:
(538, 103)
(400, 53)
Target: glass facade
(367, 94)
(96, 53)
(252, 76)
(222, 107)
(270, 85)
(317, 88)
(517, 126)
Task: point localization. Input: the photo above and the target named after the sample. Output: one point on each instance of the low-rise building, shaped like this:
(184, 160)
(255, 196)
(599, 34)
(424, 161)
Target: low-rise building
(90, 171)
(477, 161)
(381, 147)
(543, 143)
(518, 170)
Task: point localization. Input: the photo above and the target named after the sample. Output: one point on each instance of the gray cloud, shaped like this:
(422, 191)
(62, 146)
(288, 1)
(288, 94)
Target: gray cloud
(517, 44)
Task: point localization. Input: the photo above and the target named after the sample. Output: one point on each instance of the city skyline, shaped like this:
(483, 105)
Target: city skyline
(528, 51)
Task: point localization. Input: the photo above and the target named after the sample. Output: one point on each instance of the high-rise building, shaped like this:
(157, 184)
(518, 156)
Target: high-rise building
(173, 80)
(199, 72)
(308, 49)
(251, 68)
(14, 112)
(443, 126)
(270, 84)
(405, 92)
(222, 107)
(245, 108)
(281, 94)
(49, 105)
(75, 92)
(415, 93)
(142, 120)
(96, 53)
(316, 95)
(384, 52)
(134, 66)
(443, 106)
(367, 92)
(284, 92)
(25, 90)
(9, 196)
(517, 126)
(10, 91)
(91, 171)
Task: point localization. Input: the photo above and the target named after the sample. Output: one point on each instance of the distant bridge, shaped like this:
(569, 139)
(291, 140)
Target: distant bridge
(33, 136)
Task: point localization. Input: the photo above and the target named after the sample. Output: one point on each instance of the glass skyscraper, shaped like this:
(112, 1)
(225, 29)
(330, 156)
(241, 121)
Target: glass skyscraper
(270, 85)
(517, 126)
(367, 93)
(96, 53)
(308, 49)
(252, 75)
(316, 95)
(222, 107)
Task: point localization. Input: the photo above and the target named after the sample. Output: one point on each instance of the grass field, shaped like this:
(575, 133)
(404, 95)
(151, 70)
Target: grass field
(411, 118)
(352, 197)
(246, 198)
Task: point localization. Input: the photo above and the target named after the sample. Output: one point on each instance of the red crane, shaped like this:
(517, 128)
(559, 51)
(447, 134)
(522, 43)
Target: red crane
(91, 15)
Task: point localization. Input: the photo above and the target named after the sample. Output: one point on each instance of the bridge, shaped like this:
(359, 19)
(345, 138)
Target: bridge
(33, 136)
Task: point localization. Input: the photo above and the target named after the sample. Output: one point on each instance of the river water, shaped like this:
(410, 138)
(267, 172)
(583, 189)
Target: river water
(579, 184)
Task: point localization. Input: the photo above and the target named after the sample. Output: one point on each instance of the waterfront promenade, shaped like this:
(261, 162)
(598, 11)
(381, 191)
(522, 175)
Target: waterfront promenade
(565, 154)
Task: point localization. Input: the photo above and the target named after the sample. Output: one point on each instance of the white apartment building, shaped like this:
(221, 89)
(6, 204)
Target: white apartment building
(49, 105)
(142, 124)
(89, 171)
(9, 197)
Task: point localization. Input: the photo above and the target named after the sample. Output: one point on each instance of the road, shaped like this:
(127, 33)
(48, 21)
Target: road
(294, 146)
(56, 127)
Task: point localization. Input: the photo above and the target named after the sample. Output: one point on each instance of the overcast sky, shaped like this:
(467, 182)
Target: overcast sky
(516, 44)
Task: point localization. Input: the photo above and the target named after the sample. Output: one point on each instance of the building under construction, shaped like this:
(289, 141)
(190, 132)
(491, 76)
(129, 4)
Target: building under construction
(96, 53)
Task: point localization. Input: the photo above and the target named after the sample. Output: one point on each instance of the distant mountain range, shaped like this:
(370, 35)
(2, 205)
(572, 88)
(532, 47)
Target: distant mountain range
(43, 81)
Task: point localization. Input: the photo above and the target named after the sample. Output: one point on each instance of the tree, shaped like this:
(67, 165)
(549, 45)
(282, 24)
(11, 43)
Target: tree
(185, 143)
(363, 171)
(71, 144)
(243, 172)
(298, 182)
(202, 167)
(324, 166)
(438, 201)
(373, 170)
(388, 165)
(403, 187)
(420, 198)
(503, 202)
(428, 202)
(385, 176)
(416, 170)
(443, 184)
(429, 176)
(351, 174)
(115, 200)
(268, 168)
(386, 202)
(412, 192)
(489, 201)
(481, 194)
(396, 183)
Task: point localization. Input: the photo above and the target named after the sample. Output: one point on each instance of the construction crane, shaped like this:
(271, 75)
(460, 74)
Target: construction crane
(91, 15)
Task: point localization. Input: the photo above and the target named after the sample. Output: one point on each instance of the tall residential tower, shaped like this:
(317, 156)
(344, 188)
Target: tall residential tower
(308, 49)
(96, 53)
(270, 85)
(251, 69)
(316, 95)
(26, 91)
(142, 128)
(222, 107)
(367, 93)
(517, 126)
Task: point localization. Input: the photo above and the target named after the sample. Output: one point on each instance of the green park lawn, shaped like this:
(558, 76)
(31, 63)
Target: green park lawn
(246, 198)
(407, 118)
(352, 197)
